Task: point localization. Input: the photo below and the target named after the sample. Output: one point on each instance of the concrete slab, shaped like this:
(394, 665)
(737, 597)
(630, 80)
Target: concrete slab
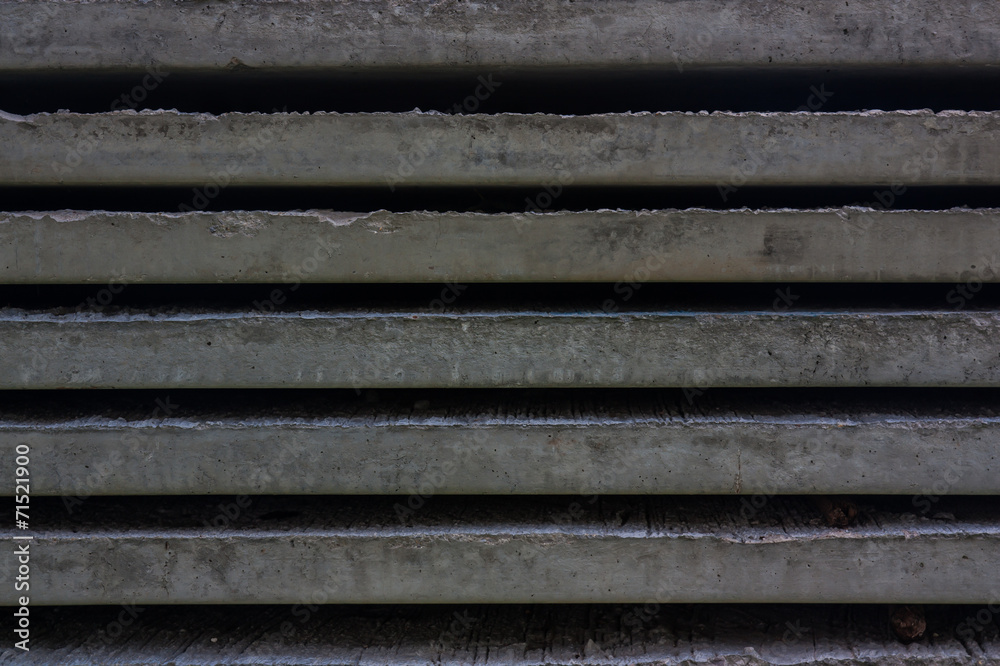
(828, 245)
(518, 550)
(500, 442)
(598, 635)
(390, 34)
(728, 150)
(425, 348)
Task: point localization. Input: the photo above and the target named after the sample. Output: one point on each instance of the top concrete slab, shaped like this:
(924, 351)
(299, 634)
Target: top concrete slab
(387, 34)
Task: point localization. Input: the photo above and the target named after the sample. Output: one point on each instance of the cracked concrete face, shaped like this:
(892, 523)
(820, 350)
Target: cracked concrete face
(728, 150)
(826, 245)
(388, 34)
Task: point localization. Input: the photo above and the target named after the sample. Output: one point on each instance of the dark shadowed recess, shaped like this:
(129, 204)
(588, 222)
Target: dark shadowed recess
(48, 407)
(493, 199)
(479, 90)
(502, 298)
(498, 634)
(114, 514)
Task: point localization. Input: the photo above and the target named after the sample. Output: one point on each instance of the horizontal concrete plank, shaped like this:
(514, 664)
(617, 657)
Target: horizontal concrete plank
(483, 550)
(842, 244)
(728, 150)
(716, 441)
(174, 348)
(560, 635)
(387, 34)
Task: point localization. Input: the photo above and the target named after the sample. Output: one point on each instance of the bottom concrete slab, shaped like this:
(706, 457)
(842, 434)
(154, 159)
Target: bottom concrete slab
(556, 549)
(693, 635)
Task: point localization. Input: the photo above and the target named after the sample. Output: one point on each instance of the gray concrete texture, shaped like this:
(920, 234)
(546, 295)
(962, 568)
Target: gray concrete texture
(502, 349)
(515, 550)
(696, 442)
(332, 34)
(562, 635)
(828, 245)
(533, 150)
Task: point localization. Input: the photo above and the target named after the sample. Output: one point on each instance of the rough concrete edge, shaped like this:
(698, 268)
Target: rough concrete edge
(345, 218)
(501, 529)
(169, 315)
(417, 113)
(867, 419)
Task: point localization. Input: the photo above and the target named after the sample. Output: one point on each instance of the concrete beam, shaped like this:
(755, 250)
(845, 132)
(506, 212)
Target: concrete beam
(420, 348)
(479, 550)
(728, 150)
(521, 635)
(715, 442)
(332, 34)
(843, 244)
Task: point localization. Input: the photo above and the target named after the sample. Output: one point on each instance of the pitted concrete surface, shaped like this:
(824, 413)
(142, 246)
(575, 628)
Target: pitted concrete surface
(676, 442)
(493, 35)
(427, 549)
(727, 150)
(421, 348)
(828, 245)
(594, 635)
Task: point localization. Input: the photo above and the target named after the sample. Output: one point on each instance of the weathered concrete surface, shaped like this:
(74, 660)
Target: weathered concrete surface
(516, 550)
(536, 150)
(716, 442)
(842, 244)
(389, 33)
(495, 349)
(604, 635)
